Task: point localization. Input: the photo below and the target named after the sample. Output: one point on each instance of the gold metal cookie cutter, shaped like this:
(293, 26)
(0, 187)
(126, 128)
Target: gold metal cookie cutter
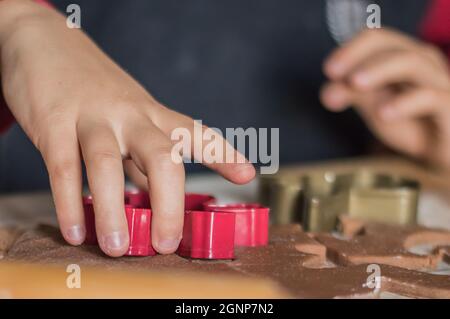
(316, 200)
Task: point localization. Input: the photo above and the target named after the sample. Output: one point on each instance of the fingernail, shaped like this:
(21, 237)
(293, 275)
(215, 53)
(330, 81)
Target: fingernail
(168, 244)
(114, 241)
(76, 234)
(245, 171)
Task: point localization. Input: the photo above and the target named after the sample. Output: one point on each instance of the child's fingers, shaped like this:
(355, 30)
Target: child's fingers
(62, 158)
(151, 150)
(336, 96)
(104, 167)
(135, 174)
(237, 169)
(366, 44)
(393, 67)
(415, 103)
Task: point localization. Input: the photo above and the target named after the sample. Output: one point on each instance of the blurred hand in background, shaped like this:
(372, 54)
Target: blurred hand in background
(399, 86)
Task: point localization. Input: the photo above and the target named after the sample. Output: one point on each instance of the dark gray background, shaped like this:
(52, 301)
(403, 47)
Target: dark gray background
(230, 63)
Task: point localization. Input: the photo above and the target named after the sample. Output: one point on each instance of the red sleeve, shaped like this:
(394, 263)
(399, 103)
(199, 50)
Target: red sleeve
(435, 28)
(6, 118)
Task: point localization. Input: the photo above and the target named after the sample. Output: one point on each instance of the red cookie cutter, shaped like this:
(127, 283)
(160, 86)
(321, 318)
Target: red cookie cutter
(207, 235)
(210, 231)
(251, 224)
(139, 228)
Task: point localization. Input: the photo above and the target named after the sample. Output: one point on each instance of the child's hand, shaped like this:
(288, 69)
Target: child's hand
(76, 104)
(400, 87)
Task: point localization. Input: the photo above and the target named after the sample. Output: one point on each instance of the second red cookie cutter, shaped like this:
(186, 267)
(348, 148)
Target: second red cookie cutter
(251, 222)
(210, 231)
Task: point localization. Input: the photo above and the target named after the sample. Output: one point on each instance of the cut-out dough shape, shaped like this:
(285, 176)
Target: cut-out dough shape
(369, 242)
